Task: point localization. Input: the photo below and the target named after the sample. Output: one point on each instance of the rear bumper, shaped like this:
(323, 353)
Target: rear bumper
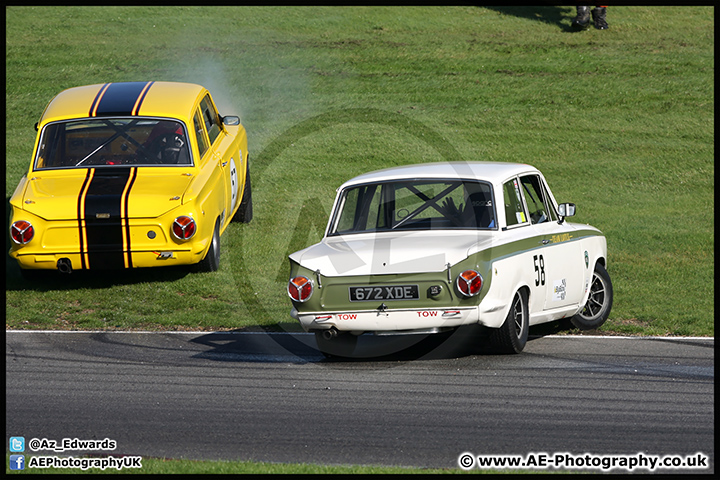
(115, 244)
(148, 244)
(388, 321)
(159, 258)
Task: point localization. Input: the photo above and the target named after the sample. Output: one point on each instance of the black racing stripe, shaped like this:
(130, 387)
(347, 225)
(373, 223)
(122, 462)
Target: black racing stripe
(128, 247)
(103, 222)
(97, 99)
(119, 99)
(83, 264)
(142, 99)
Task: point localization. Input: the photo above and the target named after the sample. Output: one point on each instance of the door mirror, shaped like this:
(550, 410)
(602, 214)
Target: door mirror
(565, 210)
(231, 120)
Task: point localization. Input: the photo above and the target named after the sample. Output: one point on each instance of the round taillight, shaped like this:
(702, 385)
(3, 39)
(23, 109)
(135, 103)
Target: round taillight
(469, 283)
(300, 288)
(183, 228)
(22, 232)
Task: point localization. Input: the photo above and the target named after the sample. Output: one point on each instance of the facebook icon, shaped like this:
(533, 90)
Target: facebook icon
(17, 462)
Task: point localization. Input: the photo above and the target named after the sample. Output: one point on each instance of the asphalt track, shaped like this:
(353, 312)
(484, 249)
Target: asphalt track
(273, 397)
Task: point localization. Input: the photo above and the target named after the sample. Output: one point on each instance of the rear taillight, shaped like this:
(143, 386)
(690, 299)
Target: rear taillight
(300, 288)
(469, 283)
(22, 232)
(184, 228)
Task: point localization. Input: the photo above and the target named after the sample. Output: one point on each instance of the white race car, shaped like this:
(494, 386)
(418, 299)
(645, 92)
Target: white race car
(427, 248)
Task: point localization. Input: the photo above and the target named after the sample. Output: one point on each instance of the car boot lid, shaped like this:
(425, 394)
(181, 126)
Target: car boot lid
(390, 252)
(57, 195)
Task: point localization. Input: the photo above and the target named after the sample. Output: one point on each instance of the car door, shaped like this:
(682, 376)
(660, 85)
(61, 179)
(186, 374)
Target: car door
(223, 148)
(558, 262)
(527, 258)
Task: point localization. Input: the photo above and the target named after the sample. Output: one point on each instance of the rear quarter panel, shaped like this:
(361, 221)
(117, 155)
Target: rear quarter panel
(233, 149)
(205, 198)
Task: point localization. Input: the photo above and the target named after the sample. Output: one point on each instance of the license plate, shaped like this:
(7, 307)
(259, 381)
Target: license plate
(391, 292)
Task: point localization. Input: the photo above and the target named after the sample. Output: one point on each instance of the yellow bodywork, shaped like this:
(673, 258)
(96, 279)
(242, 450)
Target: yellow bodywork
(147, 198)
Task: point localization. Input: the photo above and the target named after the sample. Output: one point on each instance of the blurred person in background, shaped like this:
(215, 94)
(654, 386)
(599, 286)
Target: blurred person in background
(582, 20)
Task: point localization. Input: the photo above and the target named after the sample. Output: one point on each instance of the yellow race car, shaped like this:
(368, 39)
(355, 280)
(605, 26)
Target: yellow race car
(130, 175)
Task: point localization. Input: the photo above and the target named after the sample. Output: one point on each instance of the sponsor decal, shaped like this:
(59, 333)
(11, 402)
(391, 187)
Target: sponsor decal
(234, 184)
(559, 290)
(435, 290)
(563, 237)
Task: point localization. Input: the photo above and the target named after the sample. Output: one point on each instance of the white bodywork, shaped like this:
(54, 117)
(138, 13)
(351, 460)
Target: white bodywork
(554, 262)
(390, 252)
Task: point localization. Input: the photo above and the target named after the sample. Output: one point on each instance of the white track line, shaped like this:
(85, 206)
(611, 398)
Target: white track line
(230, 332)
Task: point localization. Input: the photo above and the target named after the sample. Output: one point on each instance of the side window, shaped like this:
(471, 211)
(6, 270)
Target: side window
(550, 207)
(361, 210)
(514, 212)
(537, 204)
(199, 133)
(211, 118)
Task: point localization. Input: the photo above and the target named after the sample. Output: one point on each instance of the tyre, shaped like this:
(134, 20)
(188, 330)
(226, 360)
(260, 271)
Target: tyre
(599, 302)
(512, 336)
(244, 212)
(343, 345)
(211, 262)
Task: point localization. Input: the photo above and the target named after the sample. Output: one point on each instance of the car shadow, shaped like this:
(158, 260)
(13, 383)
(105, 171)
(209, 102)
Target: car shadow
(43, 281)
(300, 347)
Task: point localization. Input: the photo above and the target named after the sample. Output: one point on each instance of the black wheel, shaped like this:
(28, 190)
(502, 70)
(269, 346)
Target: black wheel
(343, 345)
(513, 334)
(211, 262)
(244, 212)
(597, 308)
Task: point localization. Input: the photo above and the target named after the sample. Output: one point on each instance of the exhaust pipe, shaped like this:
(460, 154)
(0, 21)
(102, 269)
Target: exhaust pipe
(64, 265)
(330, 333)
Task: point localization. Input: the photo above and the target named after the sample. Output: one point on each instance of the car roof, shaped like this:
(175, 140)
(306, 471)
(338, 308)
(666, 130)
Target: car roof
(490, 171)
(154, 99)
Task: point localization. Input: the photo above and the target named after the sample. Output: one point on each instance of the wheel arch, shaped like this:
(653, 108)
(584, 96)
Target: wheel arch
(602, 261)
(518, 287)
(207, 263)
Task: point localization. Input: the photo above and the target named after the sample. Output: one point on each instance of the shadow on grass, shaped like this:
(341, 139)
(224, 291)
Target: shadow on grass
(560, 16)
(43, 281)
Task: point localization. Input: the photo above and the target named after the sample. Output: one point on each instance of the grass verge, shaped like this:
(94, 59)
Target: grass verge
(620, 121)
